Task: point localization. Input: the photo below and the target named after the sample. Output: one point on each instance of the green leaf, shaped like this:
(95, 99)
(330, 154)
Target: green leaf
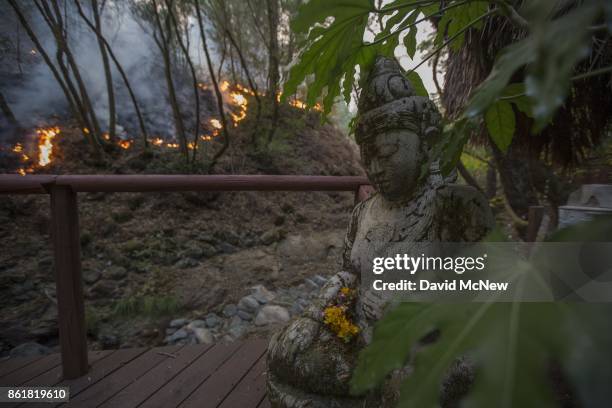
(417, 84)
(559, 45)
(410, 41)
(501, 124)
(332, 49)
(334, 46)
(457, 18)
(549, 54)
(515, 94)
(509, 344)
(510, 60)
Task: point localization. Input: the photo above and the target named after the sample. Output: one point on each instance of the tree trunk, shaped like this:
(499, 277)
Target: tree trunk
(162, 44)
(57, 27)
(211, 71)
(123, 75)
(185, 49)
(252, 85)
(8, 113)
(112, 119)
(273, 64)
(72, 104)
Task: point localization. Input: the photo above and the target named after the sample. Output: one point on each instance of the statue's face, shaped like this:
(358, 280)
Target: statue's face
(393, 163)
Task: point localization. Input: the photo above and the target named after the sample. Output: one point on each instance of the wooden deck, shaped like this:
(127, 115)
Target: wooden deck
(223, 375)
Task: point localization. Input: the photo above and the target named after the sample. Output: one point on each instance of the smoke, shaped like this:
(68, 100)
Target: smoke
(34, 96)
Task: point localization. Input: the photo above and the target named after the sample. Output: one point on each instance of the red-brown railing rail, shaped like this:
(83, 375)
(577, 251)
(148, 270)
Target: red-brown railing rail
(65, 227)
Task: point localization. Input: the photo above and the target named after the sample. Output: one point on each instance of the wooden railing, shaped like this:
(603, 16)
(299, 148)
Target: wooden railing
(65, 228)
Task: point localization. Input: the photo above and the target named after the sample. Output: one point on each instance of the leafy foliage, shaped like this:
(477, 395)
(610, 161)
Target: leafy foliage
(500, 124)
(558, 38)
(549, 54)
(455, 19)
(511, 345)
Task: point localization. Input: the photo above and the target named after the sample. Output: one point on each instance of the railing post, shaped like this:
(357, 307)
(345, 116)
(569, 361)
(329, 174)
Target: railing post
(68, 280)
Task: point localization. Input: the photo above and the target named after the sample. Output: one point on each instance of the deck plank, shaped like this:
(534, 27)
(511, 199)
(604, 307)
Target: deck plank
(30, 371)
(148, 384)
(122, 377)
(98, 371)
(9, 365)
(182, 385)
(265, 403)
(251, 390)
(54, 376)
(223, 375)
(216, 387)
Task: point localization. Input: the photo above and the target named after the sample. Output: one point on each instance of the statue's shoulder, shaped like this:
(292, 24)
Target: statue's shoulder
(463, 212)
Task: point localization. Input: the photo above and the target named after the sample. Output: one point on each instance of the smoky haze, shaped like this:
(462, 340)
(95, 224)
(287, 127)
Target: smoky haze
(34, 95)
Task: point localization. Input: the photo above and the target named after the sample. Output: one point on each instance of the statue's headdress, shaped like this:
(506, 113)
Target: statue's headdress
(388, 102)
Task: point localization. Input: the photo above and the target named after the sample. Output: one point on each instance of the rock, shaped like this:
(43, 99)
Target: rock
(12, 276)
(228, 236)
(319, 280)
(296, 309)
(45, 263)
(197, 324)
(255, 261)
(29, 349)
(262, 295)
(102, 289)
(270, 236)
(170, 331)
(91, 276)
(150, 333)
(115, 272)
(245, 315)
(310, 285)
(229, 310)
(176, 323)
(193, 251)
(271, 314)
(316, 247)
(132, 245)
(226, 248)
(108, 341)
(237, 327)
(186, 263)
(208, 250)
(23, 288)
(203, 336)
(212, 320)
(248, 304)
(178, 335)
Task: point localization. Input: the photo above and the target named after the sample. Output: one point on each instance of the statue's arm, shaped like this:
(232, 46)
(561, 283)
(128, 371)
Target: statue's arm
(349, 238)
(346, 277)
(464, 213)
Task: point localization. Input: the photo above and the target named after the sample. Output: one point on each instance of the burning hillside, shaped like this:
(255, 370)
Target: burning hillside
(36, 151)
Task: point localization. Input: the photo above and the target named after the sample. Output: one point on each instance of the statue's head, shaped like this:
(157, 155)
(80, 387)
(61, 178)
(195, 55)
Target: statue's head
(395, 129)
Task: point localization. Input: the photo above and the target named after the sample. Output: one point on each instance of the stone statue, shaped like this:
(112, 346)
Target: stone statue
(308, 364)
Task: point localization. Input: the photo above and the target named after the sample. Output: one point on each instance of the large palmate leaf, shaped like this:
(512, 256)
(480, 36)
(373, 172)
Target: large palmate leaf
(334, 45)
(455, 19)
(501, 124)
(332, 49)
(511, 346)
(549, 55)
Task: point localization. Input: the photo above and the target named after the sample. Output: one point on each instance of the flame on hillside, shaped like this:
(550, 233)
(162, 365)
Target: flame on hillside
(39, 156)
(45, 144)
(236, 98)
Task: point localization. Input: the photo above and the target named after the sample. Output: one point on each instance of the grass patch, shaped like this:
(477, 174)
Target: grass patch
(92, 321)
(151, 306)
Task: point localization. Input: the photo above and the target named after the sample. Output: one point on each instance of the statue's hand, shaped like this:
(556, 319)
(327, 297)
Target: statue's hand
(306, 354)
